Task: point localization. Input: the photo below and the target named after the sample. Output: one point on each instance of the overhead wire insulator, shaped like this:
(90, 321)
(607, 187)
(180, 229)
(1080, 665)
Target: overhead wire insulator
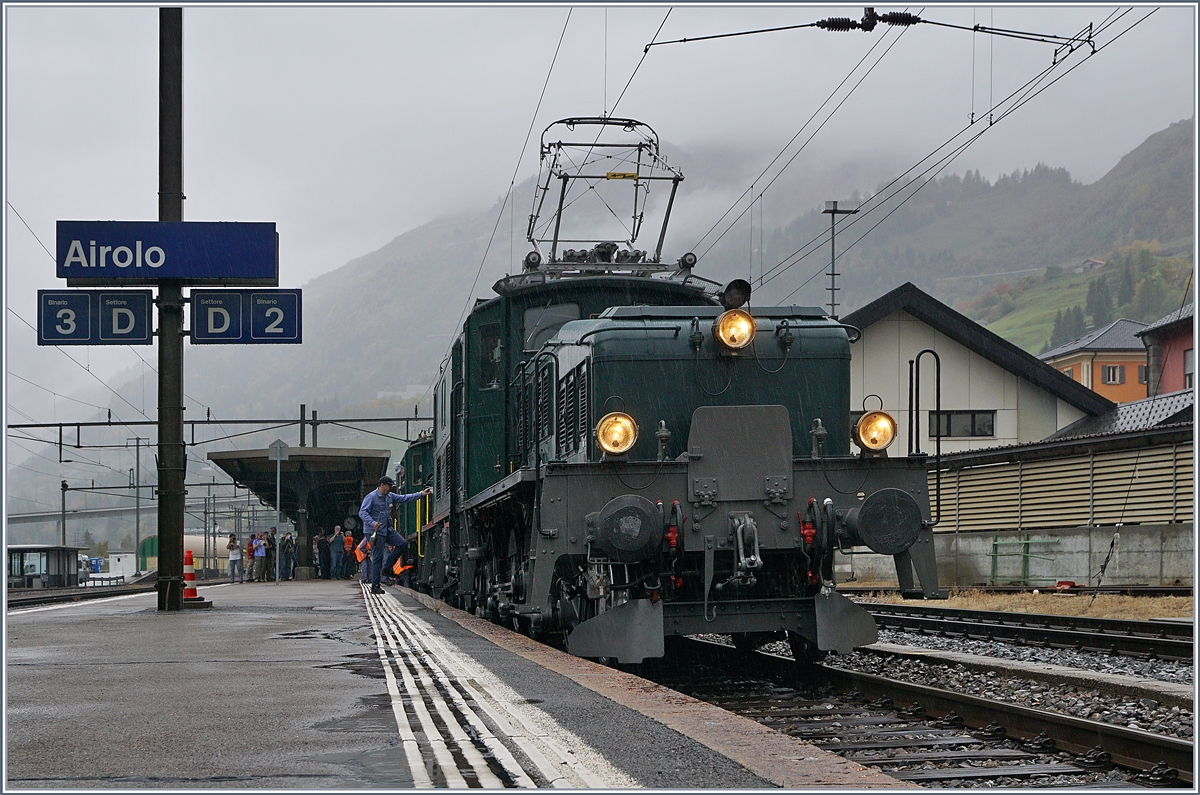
(837, 23)
(899, 18)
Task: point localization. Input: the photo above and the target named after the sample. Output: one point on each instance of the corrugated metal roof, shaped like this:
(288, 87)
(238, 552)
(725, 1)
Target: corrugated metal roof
(1119, 335)
(1185, 313)
(1140, 415)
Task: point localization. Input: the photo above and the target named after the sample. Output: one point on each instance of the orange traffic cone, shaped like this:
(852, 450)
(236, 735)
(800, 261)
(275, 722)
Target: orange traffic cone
(189, 578)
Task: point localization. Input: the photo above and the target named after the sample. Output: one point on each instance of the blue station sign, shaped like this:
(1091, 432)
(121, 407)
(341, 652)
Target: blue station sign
(94, 317)
(97, 253)
(249, 317)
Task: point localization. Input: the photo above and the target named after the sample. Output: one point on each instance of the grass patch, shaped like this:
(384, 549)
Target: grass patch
(1137, 608)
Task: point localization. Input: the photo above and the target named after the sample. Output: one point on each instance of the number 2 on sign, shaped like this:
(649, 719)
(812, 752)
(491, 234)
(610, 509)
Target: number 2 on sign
(67, 326)
(274, 328)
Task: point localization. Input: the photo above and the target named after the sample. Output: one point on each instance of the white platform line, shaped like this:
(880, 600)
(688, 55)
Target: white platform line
(420, 662)
(412, 751)
(437, 743)
(493, 743)
(561, 750)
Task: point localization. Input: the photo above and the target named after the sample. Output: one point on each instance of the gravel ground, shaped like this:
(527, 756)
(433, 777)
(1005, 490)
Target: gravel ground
(1145, 714)
(1165, 670)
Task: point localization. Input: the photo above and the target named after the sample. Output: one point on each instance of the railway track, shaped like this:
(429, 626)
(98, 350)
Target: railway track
(48, 596)
(1079, 590)
(1146, 639)
(923, 734)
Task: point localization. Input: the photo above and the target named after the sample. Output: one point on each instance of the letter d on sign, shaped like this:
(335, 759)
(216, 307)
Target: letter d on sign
(122, 328)
(218, 320)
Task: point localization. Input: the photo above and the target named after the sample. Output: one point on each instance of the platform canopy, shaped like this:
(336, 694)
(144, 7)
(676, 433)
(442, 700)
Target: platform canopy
(328, 483)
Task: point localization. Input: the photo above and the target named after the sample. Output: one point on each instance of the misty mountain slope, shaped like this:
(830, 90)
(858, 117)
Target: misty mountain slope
(957, 228)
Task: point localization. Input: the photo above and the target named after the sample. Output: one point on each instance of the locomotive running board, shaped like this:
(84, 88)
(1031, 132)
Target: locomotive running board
(630, 632)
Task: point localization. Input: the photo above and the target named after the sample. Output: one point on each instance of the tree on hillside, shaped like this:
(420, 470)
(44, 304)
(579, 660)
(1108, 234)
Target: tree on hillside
(1126, 285)
(1151, 300)
(1068, 325)
(1100, 302)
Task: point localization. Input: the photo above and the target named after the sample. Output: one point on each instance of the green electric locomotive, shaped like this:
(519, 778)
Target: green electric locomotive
(623, 451)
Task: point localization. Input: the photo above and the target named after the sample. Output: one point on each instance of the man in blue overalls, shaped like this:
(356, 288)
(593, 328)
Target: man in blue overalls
(376, 514)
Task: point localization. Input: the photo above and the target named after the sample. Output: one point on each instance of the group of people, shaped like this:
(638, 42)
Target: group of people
(259, 556)
(334, 555)
(337, 555)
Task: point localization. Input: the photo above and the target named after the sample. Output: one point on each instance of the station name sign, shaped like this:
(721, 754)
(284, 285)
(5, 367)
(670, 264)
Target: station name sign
(105, 253)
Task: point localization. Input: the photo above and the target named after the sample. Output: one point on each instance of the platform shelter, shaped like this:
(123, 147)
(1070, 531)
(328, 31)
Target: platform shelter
(319, 486)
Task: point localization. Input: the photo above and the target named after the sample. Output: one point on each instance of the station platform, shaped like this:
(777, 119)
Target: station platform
(318, 685)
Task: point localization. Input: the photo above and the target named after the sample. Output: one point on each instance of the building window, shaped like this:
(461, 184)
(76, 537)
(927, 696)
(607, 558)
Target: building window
(1189, 367)
(1113, 374)
(1141, 373)
(962, 423)
(1069, 372)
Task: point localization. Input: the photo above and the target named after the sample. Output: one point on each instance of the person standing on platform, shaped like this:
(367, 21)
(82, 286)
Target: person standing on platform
(323, 555)
(287, 550)
(336, 550)
(347, 555)
(272, 549)
(260, 558)
(236, 569)
(376, 514)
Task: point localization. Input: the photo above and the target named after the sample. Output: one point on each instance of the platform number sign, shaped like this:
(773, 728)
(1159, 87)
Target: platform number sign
(94, 317)
(251, 317)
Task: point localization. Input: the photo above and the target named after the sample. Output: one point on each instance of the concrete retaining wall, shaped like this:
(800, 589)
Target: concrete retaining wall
(1159, 554)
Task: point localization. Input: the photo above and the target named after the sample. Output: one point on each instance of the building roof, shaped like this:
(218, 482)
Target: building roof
(1178, 316)
(1172, 408)
(960, 328)
(1119, 335)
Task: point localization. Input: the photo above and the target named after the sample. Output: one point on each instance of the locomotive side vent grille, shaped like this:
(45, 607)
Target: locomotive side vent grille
(582, 426)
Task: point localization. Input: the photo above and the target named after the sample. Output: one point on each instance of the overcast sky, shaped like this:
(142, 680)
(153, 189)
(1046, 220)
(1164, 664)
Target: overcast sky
(348, 126)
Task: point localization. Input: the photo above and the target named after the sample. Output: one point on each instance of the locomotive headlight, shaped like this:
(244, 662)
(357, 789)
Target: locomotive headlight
(735, 329)
(616, 433)
(874, 431)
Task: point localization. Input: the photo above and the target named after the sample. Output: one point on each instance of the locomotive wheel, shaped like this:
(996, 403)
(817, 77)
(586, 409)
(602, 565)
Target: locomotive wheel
(804, 651)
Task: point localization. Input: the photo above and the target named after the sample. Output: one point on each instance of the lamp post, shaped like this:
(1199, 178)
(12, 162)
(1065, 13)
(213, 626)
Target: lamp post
(277, 452)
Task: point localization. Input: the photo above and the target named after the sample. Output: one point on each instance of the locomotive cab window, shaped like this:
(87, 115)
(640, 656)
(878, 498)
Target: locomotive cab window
(962, 423)
(541, 322)
(491, 354)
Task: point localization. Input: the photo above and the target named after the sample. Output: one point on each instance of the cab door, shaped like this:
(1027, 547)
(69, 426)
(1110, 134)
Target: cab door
(485, 397)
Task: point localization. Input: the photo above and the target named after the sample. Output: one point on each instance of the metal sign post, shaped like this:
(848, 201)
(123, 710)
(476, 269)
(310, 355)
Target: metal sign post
(277, 452)
(171, 255)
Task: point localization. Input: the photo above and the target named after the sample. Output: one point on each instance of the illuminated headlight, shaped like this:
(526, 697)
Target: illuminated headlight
(616, 433)
(874, 431)
(735, 329)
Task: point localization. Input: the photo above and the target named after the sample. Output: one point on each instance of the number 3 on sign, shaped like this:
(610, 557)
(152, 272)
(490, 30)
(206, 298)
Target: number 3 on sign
(66, 324)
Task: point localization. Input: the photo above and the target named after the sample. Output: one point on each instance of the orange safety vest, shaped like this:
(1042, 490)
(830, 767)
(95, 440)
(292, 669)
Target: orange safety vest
(358, 552)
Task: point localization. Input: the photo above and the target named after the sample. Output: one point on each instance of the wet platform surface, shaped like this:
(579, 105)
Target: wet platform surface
(316, 685)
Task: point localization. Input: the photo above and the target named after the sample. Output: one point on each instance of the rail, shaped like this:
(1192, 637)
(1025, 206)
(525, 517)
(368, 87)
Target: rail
(1164, 640)
(956, 715)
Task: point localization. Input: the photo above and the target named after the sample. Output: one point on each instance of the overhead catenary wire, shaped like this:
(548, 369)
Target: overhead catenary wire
(798, 133)
(512, 182)
(1022, 95)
